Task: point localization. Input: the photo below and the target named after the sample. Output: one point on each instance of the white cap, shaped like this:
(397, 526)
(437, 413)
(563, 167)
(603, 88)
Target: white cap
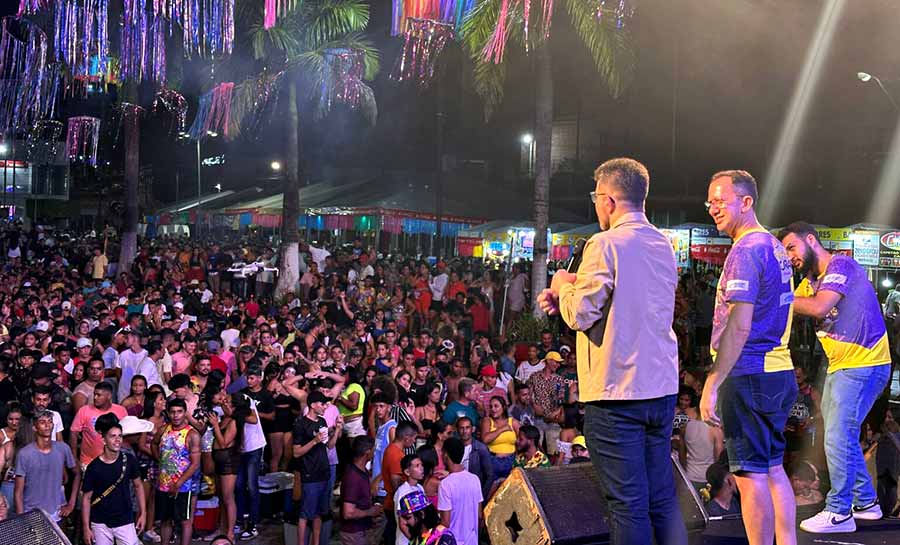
(82, 342)
(132, 425)
(179, 305)
(66, 305)
(42, 326)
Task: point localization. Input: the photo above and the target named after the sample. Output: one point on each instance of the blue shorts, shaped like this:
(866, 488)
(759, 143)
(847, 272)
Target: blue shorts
(754, 410)
(316, 500)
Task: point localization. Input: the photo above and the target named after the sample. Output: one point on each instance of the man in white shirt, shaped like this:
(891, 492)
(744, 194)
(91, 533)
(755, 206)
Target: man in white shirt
(438, 283)
(133, 362)
(318, 256)
(412, 468)
(459, 496)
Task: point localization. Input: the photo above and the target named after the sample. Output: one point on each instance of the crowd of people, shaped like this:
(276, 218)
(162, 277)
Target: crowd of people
(383, 385)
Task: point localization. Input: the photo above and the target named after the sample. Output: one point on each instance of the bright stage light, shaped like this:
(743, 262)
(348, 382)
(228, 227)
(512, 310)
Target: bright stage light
(4, 148)
(785, 149)
(887, 283)
(527, 138)
(276, 166)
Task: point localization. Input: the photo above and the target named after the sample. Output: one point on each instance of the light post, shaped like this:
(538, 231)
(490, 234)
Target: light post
(276, 166)
(528, 140)
(211, 134)
(865, 77)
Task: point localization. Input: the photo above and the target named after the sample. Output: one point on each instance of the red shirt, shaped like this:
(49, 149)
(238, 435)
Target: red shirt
(252, 309)
(481, 317)
(456, 287)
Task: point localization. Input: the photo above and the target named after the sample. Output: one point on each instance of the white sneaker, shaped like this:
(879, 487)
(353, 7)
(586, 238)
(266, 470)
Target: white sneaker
(152, 536)
(868, 512)
(827, 522)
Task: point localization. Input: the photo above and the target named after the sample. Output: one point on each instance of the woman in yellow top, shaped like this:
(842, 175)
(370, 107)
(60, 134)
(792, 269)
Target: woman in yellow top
(499, 431)
(350, 404)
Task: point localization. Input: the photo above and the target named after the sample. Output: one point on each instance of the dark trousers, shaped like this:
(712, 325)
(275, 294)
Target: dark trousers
(629, 442)
(246, 489)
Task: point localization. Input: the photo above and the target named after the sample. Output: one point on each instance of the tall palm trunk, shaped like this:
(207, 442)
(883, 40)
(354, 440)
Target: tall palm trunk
(131, 120)
(543, 129)
(289, 274)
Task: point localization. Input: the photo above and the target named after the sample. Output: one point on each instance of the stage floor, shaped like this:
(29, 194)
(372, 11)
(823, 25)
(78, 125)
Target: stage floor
(731, 532)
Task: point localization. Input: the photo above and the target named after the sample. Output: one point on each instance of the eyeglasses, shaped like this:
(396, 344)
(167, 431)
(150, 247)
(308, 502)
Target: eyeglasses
(720, 204)
(594, 196)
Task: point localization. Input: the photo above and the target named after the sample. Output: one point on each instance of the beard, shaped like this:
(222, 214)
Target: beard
(810, 261)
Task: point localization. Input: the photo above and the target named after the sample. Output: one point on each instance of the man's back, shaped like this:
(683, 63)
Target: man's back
(460, 493)
(624, 301)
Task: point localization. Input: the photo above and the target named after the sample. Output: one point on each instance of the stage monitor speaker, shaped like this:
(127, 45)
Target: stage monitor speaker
(32, 528)
(564, 506)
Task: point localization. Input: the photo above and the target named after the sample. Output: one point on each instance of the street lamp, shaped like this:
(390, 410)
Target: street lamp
(4, 148)
(276, 166)
(887, 283)
(528, 140)
(218, 187)
(866, 77)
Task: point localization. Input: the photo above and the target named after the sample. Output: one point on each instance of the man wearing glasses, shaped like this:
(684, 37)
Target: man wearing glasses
(752, 372)
(621, 302)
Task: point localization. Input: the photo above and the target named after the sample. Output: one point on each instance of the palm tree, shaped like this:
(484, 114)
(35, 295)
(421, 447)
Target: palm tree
(607, 41)
(299, 45)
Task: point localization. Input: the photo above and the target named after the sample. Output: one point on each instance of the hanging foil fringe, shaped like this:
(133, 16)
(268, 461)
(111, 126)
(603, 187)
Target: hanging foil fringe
(83, 139)
(620, 10)
(214, 112)
(174, 103)
(450, 12)
(423, 42)
(275, 9)
(342, 78)
(31, 7)
(142, 49)
(28, 83)
(81, 39)
(126, 113)
(42, 141)
(207, 25)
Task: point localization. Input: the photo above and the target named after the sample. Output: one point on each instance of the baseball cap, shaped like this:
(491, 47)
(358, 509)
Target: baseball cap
(132, 425)
(179, 305)
(213, 346)
(421, 362)
(579, 442)
(447, 344)
(316, 397)
(43, 325)
(82, 342)
(553, 356)
(67, 305)
(488, 371)
(565, 349)
(413, 502)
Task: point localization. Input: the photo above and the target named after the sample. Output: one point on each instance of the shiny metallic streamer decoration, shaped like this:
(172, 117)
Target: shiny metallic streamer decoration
(451, 12)
(42, 142)
(213, 112)
(31, 7)
(174, 103)
(83, 139)
(28, 83)
(424, 40)
(342, 78)
(81, 38)
(207, 25)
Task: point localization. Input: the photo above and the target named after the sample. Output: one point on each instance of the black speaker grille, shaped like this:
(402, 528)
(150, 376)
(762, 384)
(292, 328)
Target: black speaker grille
(31, 528)
(574, 507)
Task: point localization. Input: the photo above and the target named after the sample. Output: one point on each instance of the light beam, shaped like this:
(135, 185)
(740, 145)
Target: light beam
(785, 150)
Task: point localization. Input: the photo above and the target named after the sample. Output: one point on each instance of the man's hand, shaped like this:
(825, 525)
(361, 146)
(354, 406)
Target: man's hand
(139, 524)
(88, 535)
(376, 510)
(66, 509)
(708, 404)
(548, 301)
(561, 278)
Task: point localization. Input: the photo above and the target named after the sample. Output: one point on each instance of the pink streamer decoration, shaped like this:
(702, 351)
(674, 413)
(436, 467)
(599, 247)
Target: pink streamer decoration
(493, 50)
(83, 139)
(269, 20)
(342, 80)
(31, 7)
(424, 41)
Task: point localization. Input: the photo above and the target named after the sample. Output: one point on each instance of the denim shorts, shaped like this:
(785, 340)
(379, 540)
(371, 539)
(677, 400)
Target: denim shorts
(316, 500)
(754, 410)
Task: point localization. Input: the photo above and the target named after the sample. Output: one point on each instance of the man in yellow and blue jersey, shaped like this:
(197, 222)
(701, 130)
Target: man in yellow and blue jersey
(836, 292)
(752, 377)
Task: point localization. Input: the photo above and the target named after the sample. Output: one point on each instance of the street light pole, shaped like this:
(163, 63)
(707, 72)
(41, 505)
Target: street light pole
(865, 77)
(199, 194)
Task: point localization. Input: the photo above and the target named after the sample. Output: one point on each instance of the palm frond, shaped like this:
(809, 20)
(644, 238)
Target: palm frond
(327, 20)
(476, 31)
(279, 40)
(608, 45)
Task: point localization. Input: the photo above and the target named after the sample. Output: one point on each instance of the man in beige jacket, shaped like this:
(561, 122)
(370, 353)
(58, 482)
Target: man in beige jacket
(621, 303)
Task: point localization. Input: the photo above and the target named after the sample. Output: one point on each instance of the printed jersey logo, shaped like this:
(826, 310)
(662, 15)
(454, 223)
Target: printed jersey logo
(784, 264)
(737, 285)
(834, 279)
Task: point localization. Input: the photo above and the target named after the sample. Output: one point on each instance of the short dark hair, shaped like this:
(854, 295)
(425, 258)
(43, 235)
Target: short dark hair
(630, 178)
(179, 381)
(465, 386)
(531, 433)
(41, 389)
(715, 476)
(176, 402)
(405, 429)
(407, 461)
(801, 229)
(106, 422)
(361, 445)
(454, 449)
(743, 182)
(104, 386)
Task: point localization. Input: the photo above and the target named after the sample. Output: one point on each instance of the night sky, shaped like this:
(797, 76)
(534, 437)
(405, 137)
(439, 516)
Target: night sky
(722, 72)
